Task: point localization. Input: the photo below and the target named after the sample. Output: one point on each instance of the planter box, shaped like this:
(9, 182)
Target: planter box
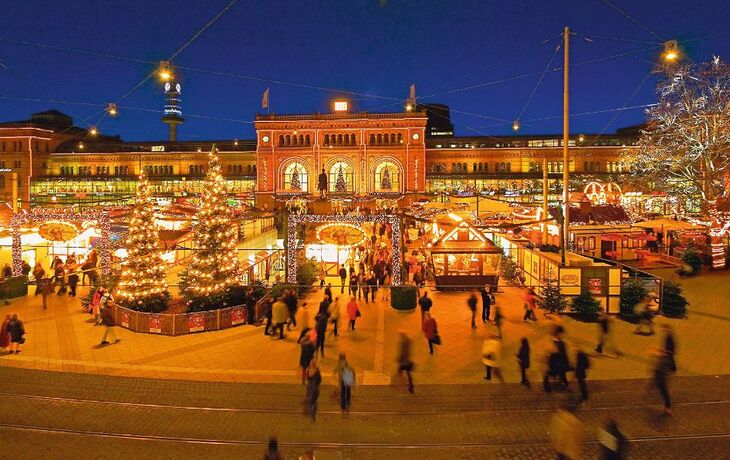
(403, 298)
(16, 286)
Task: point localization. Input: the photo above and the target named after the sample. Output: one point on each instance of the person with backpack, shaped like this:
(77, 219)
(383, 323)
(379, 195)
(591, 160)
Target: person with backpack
(346, 378)
(523, 359)
(582, 364)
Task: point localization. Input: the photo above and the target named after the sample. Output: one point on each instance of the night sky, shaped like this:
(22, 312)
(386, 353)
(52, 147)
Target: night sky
(375, 48)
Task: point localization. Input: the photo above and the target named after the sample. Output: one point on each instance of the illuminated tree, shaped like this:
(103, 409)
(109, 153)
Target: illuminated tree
(143, 280)
(340, 185)
(214, 267)
(684, 149)
(295, 182)
(385, 182)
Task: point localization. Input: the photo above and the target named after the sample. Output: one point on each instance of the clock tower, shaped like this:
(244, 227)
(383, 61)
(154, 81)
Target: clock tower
(172, 115)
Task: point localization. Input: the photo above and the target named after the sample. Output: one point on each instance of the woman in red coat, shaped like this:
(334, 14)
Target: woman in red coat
(352, 312)
(429, 330)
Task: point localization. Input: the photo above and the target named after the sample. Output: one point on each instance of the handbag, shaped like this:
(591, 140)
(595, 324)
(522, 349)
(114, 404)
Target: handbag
(436, 339)
(22, 340)
(358, 314)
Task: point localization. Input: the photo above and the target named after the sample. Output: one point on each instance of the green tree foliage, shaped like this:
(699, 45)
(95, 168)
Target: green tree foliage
(586, 306)
(508, 269)
(674, 304)
(693, 260)
(553, 301)
(633, 291)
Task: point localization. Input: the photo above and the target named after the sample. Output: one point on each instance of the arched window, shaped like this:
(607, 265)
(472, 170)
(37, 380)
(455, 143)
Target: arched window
(308, 140)
(281, 141)
(380, 139)
(473, 167)
(387, 177)
(341, 178)
(372, 139)
(400, 138)
(392, 138)
(288, 140)
(326, 139)
(294, 140)
(296, 178)
(353, 140)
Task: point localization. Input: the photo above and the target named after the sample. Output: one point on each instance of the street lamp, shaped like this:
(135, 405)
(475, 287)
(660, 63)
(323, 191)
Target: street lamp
(93, 131)
(165, 71)
(516, 125)
(671, 52)
(111, 109)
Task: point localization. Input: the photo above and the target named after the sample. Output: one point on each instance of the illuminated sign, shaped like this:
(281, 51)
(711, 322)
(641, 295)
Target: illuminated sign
(158, 148)
(341, 106)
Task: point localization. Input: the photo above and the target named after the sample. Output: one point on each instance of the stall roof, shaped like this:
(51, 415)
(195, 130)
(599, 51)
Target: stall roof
(668, 225)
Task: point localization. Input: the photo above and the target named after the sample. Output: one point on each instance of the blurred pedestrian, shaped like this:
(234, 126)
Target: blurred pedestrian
(486, 303)
(290, 299)
(322, 273)
(320, 322)
(602, 330)
(613, 442)
(5, 333)
(404, 359)
(334, 314)
(662, 369)
(107, 319)
(425, 303)
(38, 274)
(268, 314)
(16, 330)
(46, 288)
(646, 317)
(272, 451)
(491, 357)
(471, 302)
(498, 318)
(279, 316)
(346, 378)
(387, 280)
(303, 316)
(582, 364)
(529, 305)
(430, 331)
(353, 312)
(307, 350)
(670, 346)
(354, 285)
(343, 278)
(314, 379)
(523, 359)
(328, 291)
(566, 434)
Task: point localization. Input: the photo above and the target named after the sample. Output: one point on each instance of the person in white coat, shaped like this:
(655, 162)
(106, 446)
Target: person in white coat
(492, 356)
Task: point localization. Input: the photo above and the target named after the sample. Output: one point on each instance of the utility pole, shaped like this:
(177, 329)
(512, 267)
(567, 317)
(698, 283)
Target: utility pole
(544, 199)
(566, 160)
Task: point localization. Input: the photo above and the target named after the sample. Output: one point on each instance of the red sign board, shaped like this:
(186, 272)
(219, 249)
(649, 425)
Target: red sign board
(125, 319)
(155, 324)
(196, 322)
(595, 286)
(237, 316)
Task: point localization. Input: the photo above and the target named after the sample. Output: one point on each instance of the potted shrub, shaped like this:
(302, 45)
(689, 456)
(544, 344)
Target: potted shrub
(585, 306)
(674, 304)
(633, 291)
(404, 298)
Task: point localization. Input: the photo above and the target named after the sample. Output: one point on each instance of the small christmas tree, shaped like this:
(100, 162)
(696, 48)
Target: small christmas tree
(340, 185)
(295, 184)
(586, 306)
(214, 266)
(385, 182)
(553, 300)
(508, 269)
(143, 280)
(674, 304)
(633, 291)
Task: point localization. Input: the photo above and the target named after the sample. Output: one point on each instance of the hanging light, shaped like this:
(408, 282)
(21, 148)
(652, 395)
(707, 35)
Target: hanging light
(111, 109)
(516, 125)
(93, 131)
(165, 71)
(671, 52)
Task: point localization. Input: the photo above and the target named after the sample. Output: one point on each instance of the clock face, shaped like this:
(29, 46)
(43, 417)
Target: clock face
(265, 138)
(177, 87)
(167, 86)
(416, 136)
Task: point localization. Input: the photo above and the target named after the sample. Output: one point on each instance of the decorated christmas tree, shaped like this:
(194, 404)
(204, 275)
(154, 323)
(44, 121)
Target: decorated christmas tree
(143, 280)
(340, 185)
(552, 300)
(295, 184)
(385, 182)
(214, 267)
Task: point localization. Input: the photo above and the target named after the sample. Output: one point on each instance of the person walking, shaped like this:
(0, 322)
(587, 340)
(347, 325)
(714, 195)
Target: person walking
(582, 364)
(38, 274)
(662, 370)
(523, 360)
(334, 314)
(328, 291)
(268, 310)
(562, 361)
(343, 278)
(602, 330)
(529, 305)
(486, 303)
(290, 299)
(279, 315)
(353, 312)
(272, 451)
(613, 442)
(354, 285)
(17, 331)
(107, 319)
(387, 280)
(322, 273)
(670, 346)
(425, 303)
(314, 379)
(307, 350)
(566, 434)
(404, 359)
(491, 357)
(471, 302)
(346, 378)
(73, 276)
(373, 285)
(365, 286)
(303, 316)
(430, 331)
(59, 276)
(320, 326)
(5, 333)
(646, 317)
(25, 268)
(498, 318)
(46, 288)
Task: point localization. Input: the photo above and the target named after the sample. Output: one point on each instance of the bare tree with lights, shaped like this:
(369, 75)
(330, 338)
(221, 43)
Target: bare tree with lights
(685, 149)
(214, 267)
(143, 279)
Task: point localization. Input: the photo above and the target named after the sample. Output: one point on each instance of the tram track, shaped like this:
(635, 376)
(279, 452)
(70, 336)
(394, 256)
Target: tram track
(244, 410)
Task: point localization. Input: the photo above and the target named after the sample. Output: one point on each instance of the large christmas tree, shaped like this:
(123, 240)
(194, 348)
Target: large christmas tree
(214, 266)
(143, 280)
(295, 182)
(385, 182)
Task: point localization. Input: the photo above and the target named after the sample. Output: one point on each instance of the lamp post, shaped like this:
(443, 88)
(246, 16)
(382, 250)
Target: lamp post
(566, 160)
